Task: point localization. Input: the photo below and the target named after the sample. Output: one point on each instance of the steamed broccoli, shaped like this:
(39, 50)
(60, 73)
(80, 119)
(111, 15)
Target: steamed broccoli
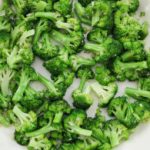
(81, 96)
(103, 75)
(104, 93)
(128, 70)
(25, 122)
(124, 112)
(115, 132)
(74, 121)
(104, 51)
(144, 83)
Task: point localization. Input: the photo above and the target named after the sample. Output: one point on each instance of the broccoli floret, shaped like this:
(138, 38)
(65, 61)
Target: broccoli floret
(103, 75)
(59, 108)
(22, 53)
(135, 51)
(74, 121)
(104, 93)
(63, 7)
(21, 138)
(4, 22)
(138, 93)
(64, 80)
(128, 27)
(32, 99)
(97, 35)
(132, 5)
(39, 142)
(27, 74)
(124, 112)
(103, 52)
(105, 146)
(79, 61)
(128, 70)
(40, 5)
(4, 117)
(81, 96)
(25, 122)
(115, 132)
(5, 101)
(6, 75)
(144, 83)
(44, 48)
(72, 40)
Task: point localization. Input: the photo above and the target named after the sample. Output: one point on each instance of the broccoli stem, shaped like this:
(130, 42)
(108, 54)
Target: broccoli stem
(58, 117)
(76, 129)
(48, 15)
(137, 93)
(82, 82)
(92, 47)
(43, 130)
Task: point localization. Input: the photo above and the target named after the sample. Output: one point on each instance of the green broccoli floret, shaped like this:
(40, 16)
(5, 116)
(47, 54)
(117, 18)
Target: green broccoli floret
(21, 138)
(138, 93)
(115, 132)
(124, 112)
(128, 27)
(5, 101)
(4, 117)
(74, 121)
(135, 51)
(77, 62)
(27, 74)
(64, 80)
(132, 5)
(44, 48)
(103, 52)
(104, 93)
(6, 75)
(22, 53)
(72, 40)
(63, 7)
(144, 83)
(105, 146)
(32, 99)
(129, 70)
(142, 109)
(103, 75)
(59, 108)
(39, 142)
(81, 95)
(97, 35)
(25, 122)
(40, 5)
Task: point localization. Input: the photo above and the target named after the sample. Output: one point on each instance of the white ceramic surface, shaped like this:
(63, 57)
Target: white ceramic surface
(140, 140)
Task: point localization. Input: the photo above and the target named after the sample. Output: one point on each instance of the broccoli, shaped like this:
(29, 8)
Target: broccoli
(85, 2)
(128, 70)
(59, 108)
(44, 48)
(124, 112)
(78, 61)
(39, 142)
(81, 96)
(63, 7)
(103, 52)
(115, 132)
(6, 75)
(25, 122)
(64, 80)
(144, 83)
(104, 93)
(103, 75)
(22, 53)
(21, 138)
(128, 27)
(131, 4)
(97, 35)
(40, 5)
(74, 121)
(5, 101)
(138, 93)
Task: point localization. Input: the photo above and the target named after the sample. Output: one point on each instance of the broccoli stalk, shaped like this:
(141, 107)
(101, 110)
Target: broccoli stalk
(81, 96)
(39, 142)
(6, 74)
(103, 52)
(104, 93)
(26, 121)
